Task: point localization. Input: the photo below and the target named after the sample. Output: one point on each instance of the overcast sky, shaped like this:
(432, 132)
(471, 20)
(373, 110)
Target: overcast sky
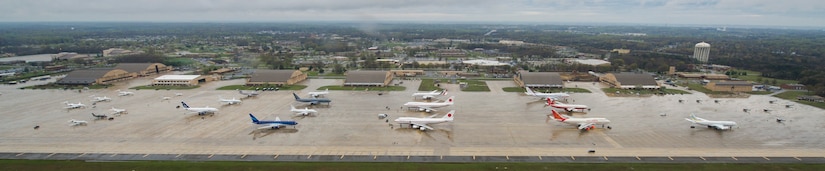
(674, 12)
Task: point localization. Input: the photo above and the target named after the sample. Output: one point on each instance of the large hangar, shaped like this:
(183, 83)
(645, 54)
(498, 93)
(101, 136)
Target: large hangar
(94, 76)
(368, 78)
(276, 77)
(630, 81)
(180, 80)
(143, 69)
(539, 79)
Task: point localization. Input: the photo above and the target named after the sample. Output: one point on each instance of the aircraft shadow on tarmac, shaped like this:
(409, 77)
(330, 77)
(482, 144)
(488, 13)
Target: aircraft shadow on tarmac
(194, 116)
(260, 133)
(435, 134)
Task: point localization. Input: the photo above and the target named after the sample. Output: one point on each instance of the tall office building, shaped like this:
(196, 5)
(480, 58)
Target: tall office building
(701, 52)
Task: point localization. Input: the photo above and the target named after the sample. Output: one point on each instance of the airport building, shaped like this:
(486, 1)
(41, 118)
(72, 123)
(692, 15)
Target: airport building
(703, 76)
(180, 80)
(368, 78)
(730, 86)
(94, 76)
(275, 77)
(539, 79)
(143, 69)
(408, 73)
(630, 81)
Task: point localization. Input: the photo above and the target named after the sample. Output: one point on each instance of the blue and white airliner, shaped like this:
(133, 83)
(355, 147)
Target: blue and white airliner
(276, 124)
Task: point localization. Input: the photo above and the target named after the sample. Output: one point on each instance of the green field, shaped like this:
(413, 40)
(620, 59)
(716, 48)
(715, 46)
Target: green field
(547, 90)
(244, 87)
(791, 95)
(363, 88)
(71, 165)
(475, 85)
(429, 84)
(645, 91)
(757, 77)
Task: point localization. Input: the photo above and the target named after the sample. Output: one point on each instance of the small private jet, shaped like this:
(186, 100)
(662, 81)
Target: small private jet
(124, 93)
(200, 110)
(101, 116)
(311, 101)
(719, 125)
(116, 111)
(249, 93)
(316, 94)
(73, 105)
(566, 107)
(276, 124)
(428, 106)
(543, 96)
(305, 112)
(430, 95)
(96, 99)
(230, 101)
(583, 124)
(74, 122)
(421, 123)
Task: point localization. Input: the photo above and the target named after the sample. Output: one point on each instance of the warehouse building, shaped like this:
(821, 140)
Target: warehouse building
(368, 78)
(94, 76)
(539, 79)
(630, 81)
(276, 77)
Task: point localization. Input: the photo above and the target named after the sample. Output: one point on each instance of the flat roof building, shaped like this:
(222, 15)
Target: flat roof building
(730, 86)
(368, 78)
(275, 77)
(180, 80)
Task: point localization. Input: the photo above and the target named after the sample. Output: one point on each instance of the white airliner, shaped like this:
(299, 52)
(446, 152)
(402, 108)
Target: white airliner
(305, 112)
(100, 99)
(124, 93)
(248, 93)
(566, 107)
(229, 101)
(316, 94)
(584, 124)
(555, 96)
(428, 106)
(74, 122)
(200, 110)
(116, 111)
(430, 95)
(73, 105)
(719, 125)
(421, 123)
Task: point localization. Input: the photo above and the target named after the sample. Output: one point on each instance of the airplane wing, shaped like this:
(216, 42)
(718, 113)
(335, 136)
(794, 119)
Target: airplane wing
(720, 126)
(422, 125)
(426, 109)
(432, 116)
(271, 126)
(585, 126)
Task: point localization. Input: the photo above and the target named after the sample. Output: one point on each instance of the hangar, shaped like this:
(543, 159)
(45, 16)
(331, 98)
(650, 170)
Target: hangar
(730, 86)
(143, 69)
(180, 80)
(539, 79)
(94, 76)
(368, 78)
(630, 81)
(276, 77)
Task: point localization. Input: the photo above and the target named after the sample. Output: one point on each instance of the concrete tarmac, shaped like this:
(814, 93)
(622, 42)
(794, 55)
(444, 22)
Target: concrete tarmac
(492, 123)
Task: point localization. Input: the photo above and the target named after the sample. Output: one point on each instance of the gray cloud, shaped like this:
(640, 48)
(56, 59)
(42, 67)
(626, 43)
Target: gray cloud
(710, 12)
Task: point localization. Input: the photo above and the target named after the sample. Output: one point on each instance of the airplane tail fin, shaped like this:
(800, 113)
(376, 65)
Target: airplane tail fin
(529, 92)
(277, 118)
(444, 92)
(450, 100)
(254, 120)
(326, 90)
(557, 116)
(296, 96)
(292, 108)
(550, 101)
(184, 105)
(449, 116)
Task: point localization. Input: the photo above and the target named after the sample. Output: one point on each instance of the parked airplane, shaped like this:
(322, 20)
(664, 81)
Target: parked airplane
(315, 94)
(554, 96)
(74, 122)
(124, 93)
(101, 116)
(100, 99)
(566, 107)
(428, 106)
(73, 105)
(430, 95)
(230, 101)
(584, 124)
(421, 123)
(719, 125)
(116, 111)
(311, 101)
(276, 124)
(306, 111)
(248, 93)
(200, 110)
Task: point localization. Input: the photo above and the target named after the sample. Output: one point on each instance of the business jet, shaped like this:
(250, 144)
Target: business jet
(719, 125)
(248, 93)
(100, 99)
(200, 110)
(116, 111)
(566, 107)
(315, 94)
(276, 124)
(554, 96)
(124, 93)
(430, 95)
(73, 105)
(305, 112)
(74, 122)
(311, 101)
(428, 106)
(101, 116)
(421, 123)
(583, 124)
(230, 101)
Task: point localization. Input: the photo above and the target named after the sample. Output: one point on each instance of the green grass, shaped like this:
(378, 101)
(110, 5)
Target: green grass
(475, 85)
(547, 90)
(71, 165)
(791, 95)
(644, 91)
(362, 88)
(164, 87)
(57, 86)
(244, 87)
(759, 92)
(757, 77)
(429, 84)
